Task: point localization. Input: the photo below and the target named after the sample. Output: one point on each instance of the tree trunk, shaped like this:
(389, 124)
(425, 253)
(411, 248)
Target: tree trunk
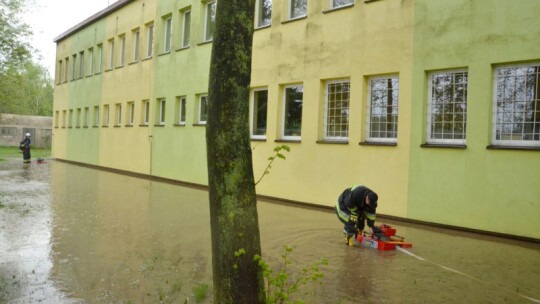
(234, 223)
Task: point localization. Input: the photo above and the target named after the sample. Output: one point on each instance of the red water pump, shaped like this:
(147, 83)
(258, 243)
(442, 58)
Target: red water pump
(388, 241)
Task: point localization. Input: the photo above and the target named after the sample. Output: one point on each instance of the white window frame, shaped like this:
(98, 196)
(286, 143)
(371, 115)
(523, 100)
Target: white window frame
(369, 111)
(162, 107)
(111, 53)
(430, 137)
(284, 113)
(335, 3)
(291, 10)
(186, 28)
(253, 114)
(167, 34)
(145, 113)
(122, 39)
(326, 125)
(259, 21)
(209, 31)
(181, 110)
(91, 61)
(149, 40)
(130, 113)
(118, 114)
(203, 99)
(519, 142)
(100, 59)
(136, 42)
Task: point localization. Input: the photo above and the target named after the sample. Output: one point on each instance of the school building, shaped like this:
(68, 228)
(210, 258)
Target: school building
(433, 104)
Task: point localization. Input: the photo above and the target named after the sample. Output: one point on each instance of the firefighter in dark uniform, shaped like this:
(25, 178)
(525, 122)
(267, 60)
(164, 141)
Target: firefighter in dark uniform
(355, 206)
(25, 148)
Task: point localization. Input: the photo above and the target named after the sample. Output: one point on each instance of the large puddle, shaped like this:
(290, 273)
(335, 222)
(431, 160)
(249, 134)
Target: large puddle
(70, 234)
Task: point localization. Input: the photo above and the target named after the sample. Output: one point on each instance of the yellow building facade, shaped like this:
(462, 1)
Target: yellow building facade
(344, 84)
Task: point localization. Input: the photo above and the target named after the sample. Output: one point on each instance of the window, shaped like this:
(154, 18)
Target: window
(106, 115)
(111, 53)
(259, 108)
(130, 113)
(64, 118)
(298, 8)
(74, 67)
(167, 35)
(81, 64)
(122, 50)
(186, 25)
(70, 119)
(150, 40)
(66, 72)
(60, 75)
(145, 111)
(382, 120)
(336, 120)
(293, 97)
(86, 117)
(447, 108)
(263, 13)
(210, 21)
(118, 114)
(100, 58)
(517, 105)
(136, 37)
(203, 109)
(96, 116)
(340, 3)
(161, 111)
(78, 118)
(181, 110)
(91, 61)
(56, 118)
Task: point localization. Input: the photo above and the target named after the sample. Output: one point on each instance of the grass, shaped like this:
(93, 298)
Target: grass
(13, 152)
(200, 292)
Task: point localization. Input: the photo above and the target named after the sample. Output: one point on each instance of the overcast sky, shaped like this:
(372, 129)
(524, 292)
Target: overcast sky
(50, 18)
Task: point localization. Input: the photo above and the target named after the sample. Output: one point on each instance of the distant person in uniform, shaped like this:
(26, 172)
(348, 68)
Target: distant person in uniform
(355, 206)
(25, 148)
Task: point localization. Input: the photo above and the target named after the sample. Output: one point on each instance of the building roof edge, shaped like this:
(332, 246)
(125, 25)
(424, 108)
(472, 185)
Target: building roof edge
(108, 10)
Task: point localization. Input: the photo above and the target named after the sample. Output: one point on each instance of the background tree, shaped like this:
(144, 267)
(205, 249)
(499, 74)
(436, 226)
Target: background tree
(15, 47)
(25, 86)
(26, 91)
(234, 223)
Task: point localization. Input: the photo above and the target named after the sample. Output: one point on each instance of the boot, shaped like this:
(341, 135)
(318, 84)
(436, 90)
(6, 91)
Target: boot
(349, 239)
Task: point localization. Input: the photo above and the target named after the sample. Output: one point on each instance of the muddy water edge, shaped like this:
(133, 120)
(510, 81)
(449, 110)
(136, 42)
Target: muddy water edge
(70, 234)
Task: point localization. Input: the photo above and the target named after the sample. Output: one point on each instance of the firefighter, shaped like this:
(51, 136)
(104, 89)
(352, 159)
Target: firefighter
(25, 148)
(355, 206)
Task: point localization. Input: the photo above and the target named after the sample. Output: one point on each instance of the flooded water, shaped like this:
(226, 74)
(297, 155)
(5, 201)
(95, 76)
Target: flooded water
(70, 234)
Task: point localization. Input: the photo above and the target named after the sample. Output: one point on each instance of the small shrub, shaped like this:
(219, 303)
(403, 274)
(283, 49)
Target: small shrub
(200, 291)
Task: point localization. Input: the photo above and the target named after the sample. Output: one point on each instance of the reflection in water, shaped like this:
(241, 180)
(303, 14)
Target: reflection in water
(95, 237)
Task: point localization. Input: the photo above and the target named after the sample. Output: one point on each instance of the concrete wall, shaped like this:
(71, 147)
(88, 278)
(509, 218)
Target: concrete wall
(14, 127)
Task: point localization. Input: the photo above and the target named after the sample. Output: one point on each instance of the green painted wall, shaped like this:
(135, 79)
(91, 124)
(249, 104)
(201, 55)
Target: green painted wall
(495, 190)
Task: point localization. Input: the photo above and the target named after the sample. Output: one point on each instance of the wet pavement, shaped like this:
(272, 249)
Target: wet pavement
(70, 234)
